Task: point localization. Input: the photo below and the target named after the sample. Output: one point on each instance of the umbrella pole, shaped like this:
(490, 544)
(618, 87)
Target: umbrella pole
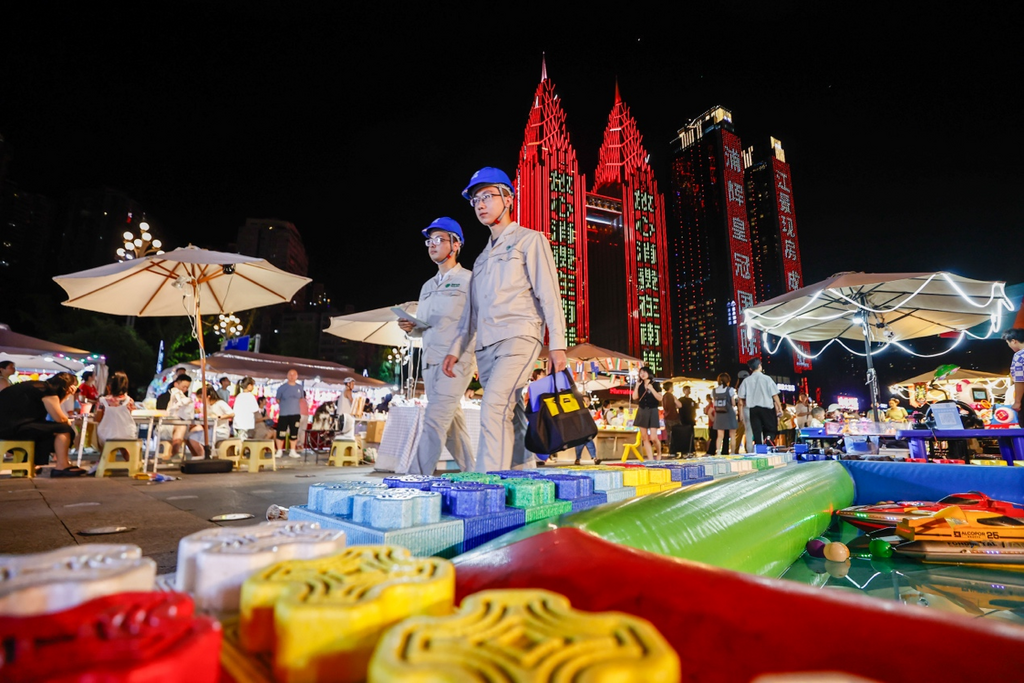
(872, 376)
(202, 373)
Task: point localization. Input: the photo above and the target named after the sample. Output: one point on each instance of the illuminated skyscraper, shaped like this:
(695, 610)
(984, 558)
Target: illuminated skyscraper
(550, 198)
(710, 254)
(624, 175)
(771, 212)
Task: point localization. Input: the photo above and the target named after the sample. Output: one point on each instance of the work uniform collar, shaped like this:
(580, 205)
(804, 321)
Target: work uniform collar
(441, 277)
(510, 228)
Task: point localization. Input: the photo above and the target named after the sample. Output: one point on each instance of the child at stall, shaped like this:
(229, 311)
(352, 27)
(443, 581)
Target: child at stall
(218, 413)
(114, 412)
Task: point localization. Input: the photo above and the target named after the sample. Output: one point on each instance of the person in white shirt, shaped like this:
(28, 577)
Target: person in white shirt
(760, 393)
(344, 410)
(181, 407)
(442, 300)
(246, 408)
(514, 296)
(218, 414)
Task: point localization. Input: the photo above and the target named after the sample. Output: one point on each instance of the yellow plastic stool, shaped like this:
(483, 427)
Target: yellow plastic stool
(344, 452)
(17, 449)
(230, 449)
(259, 453)
(108, 458)
(634, 448)
(164, 451)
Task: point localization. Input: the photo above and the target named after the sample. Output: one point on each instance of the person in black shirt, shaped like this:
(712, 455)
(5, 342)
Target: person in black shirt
(687, 421)
(23, 411)
(648, 396)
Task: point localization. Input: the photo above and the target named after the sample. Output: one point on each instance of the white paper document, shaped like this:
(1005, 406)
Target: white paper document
(397, 310)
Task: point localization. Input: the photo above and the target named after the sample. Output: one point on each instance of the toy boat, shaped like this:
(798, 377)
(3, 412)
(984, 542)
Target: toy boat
(890, 513)
(955, 535)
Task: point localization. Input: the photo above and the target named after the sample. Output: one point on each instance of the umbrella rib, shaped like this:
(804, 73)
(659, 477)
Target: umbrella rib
(156, 291)
(206, 280)
(109, 284)
(262, 286)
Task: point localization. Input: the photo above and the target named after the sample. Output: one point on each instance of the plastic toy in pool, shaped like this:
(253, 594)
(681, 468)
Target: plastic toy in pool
(954, 535)
(888, 513)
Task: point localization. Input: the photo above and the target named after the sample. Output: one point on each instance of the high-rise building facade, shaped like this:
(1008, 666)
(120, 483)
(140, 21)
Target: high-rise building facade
(711, 259)
(277, 241)
(771, 212)
(550, 198)
(624, 174)
(609, 244)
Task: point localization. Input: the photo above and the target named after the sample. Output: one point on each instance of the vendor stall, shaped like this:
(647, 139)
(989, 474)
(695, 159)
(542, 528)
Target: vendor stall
(980, 390)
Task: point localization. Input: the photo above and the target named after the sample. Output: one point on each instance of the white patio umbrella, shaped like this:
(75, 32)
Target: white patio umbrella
(376, 326)
(882, 308)
(42, 363)
(189, 281)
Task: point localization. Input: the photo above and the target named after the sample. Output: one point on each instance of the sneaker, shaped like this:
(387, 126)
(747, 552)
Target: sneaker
(293, 454)
(279, 454)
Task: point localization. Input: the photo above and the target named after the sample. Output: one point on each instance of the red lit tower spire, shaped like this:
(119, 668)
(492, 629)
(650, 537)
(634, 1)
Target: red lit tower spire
(624, 173)
(550, 197)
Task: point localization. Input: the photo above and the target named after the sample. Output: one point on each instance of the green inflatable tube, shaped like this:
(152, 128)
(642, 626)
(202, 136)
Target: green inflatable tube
(757, 523)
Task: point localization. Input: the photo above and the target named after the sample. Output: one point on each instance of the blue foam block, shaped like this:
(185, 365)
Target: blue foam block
(698, 480)
(410, 481)
(399, 508)
(336, 498)
(483, 528)
(571, 486)
(443, 538)
(604, 480)
(591, 501)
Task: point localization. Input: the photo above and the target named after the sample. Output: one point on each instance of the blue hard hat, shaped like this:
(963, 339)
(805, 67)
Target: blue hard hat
(446, 224)
(488, 175)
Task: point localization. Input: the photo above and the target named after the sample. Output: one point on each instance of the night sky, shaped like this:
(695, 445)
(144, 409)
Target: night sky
(902, 125)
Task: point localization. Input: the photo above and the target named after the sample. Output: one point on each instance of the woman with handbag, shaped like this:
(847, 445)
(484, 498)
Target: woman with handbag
(725, 411)
(647, 394)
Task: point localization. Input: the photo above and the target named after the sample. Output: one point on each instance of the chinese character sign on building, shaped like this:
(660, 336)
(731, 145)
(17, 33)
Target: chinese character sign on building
(791, 267)
(565, 248)
(739, 241)
(642, 206)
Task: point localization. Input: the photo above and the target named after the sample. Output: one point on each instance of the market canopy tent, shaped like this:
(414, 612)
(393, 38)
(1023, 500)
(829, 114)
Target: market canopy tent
(189, 281)
(879, 307)
(961, 375)
(272, 367)
(39, 355)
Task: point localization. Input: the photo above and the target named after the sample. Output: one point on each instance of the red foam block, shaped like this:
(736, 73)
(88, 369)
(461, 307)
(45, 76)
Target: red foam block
(121, 638)
(727, 626)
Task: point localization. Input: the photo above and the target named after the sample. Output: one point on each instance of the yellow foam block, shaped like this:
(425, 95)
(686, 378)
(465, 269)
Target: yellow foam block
(658, 475)
(522, 636)
(322, 617)
(671, 485)
(637, 476)
(644, 489)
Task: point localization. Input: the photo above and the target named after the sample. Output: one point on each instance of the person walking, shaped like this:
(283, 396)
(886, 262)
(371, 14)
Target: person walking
(442, 300)
(687, 421)
(670, 409)
(725, 410)
(742, 434)
(289, 396)
(514, 296)
(760, 393)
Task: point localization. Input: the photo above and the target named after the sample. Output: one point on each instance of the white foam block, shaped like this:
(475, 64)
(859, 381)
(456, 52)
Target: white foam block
(213, 564)
(40, 583)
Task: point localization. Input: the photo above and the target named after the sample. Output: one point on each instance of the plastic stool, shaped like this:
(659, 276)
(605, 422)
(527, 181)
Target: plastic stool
(19, 464)
(259, 453)
(108, 458)
(634, 448)
(230, 449)
(164, 451)
(344, 452)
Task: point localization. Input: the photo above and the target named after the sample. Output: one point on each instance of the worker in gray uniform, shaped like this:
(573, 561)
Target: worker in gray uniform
(442, 300)
(513, 297)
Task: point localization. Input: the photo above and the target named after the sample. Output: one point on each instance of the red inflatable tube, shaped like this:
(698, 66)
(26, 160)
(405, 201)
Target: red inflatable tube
(728, 627)
(121, 638)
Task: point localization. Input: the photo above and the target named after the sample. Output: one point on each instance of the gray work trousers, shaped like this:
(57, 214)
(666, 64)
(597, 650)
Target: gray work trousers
(443, 420)
(505, 369)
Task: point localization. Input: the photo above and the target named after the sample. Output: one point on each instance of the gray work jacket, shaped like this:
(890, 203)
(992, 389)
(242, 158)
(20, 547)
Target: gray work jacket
(513, 293)
(440, 306)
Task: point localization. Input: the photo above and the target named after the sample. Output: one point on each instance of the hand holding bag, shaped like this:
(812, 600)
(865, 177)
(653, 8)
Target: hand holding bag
(557, 418)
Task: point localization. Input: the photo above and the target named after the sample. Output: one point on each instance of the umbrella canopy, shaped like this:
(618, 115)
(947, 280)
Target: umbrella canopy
(893, 307)
(961, 374)
(22, 344)
(160, 285)
(591, 352)
(377, 326)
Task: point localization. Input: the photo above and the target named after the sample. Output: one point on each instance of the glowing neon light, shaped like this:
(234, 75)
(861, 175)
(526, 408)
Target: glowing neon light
(740, 255)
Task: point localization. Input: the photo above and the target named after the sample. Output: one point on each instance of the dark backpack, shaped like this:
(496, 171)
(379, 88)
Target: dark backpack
(163, 400)
(722, 401)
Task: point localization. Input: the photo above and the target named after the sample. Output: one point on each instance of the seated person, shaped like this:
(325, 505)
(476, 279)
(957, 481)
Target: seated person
(114, 412)
(817, 418)
(180, 407)
(24, 408)
(264, 428)
(218, 415)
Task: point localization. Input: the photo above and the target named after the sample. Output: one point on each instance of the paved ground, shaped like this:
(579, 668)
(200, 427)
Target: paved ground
(43, 513)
